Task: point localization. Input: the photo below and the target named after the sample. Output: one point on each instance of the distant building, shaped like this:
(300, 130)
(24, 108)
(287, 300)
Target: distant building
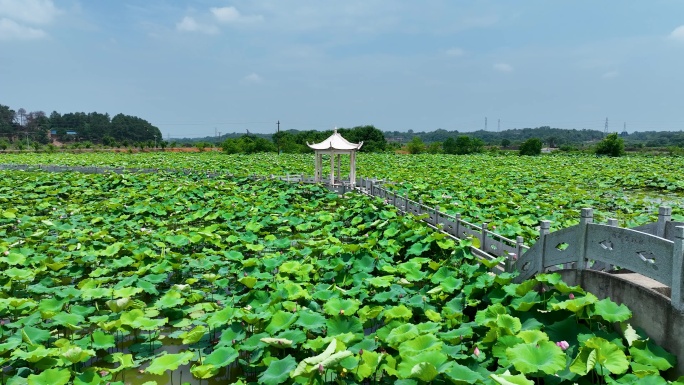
(53, 133)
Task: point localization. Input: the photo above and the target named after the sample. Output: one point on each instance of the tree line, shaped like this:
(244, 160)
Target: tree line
(37, 127)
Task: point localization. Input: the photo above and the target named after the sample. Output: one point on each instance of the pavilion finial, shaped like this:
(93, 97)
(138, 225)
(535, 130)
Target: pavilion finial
(335, 130)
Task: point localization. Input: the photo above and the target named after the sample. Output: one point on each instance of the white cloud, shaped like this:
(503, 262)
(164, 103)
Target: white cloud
(11, 30)
(253, 78)
(454, 52)
(610, 75)
(29, 11)
(678, 33)
(189, 24)
(503, 67)
(232, 15)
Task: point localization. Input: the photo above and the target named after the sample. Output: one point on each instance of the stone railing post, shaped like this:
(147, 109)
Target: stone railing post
(544, 229)
(519, 243)
(458, 225)
(664, 216)
(586, 218)
(436, 216)
(483, 237)
(511, 258)
(677, 267)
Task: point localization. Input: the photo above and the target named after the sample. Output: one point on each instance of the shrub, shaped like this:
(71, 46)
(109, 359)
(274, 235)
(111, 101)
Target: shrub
(531, 147)
(612, 145)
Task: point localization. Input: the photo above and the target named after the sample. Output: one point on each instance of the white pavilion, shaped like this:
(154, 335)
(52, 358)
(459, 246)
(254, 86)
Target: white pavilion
(335, 145)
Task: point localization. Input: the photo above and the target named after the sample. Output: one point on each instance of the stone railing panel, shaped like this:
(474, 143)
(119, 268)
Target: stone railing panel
(561, 247)
(642, 253)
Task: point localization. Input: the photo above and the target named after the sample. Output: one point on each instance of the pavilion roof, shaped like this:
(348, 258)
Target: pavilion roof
(335, 142)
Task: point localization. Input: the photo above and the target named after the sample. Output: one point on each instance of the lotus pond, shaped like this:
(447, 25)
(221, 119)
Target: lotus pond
(167, 278)
(510, 192)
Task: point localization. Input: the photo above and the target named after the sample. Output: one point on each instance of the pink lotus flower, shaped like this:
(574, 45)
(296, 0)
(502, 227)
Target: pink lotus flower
(320, 368)
(572, 296)
(476, 352)
(6, 252)
(563, 345)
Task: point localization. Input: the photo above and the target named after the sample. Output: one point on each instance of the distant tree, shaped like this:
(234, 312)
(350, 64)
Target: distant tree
(612, 145)
(449, 146)
(531, 146)
(434, 148)
(505, 143)
(163, 144)
(463, 145)
(415, 146)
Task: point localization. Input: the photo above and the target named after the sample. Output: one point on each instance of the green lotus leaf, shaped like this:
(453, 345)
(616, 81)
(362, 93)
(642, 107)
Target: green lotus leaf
(424, 371)
(76, 354)
(381, 281)
(125, 361)
(451, 284)
(401, 334)
(101, 340)
(461, 375)
(171, 362)
(611, 312)
(248, 281)
(337, 306)
(296, 336)
(177, 240)
(511, 379)
(543, 356)
(88, 377)
(527, 301)
(193, 336)
(367, 313)
(609, 355)
(281, 320)
(171, 299)
(533, 336)
(576, 305)
(33, 336)
(368, 365)
(71, 321)
(584, 362)
(508, 324)
(397, 312)
(221, 357)
(341, 324)
(14, 259)
(422, 343)
(117, 305)
(307, 364)
(204, 371)
(648, 353)
(281, 343)
(433, 357)
(309, 320)
(490, 315)
(278, 371)
(50, 377)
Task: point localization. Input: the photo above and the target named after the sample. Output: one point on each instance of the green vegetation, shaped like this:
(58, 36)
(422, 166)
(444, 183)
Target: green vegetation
(531, 147)
(139, 278)
(94, 127)
(612, 145)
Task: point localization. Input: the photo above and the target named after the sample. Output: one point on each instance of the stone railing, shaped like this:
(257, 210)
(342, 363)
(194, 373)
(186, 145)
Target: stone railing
(654, 250)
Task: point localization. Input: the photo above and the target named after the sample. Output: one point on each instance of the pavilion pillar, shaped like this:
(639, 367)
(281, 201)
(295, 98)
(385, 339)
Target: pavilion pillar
(318, 160)
(339, 168)
(332, 168)
(352, 168)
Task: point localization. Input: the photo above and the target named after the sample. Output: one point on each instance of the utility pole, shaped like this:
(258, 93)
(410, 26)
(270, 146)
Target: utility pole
(605, 128)
(278, 136)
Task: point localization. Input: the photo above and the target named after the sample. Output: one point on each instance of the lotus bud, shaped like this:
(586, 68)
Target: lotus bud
(360, 352)
(6, 252)
(320, 368)
(563, 345)
(572, 296)
(103, 373)
(476, 352)
(244, 273)
(341, 311)
(234, 341)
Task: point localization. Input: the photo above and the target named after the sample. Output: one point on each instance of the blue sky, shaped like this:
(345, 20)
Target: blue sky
(196, 67)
